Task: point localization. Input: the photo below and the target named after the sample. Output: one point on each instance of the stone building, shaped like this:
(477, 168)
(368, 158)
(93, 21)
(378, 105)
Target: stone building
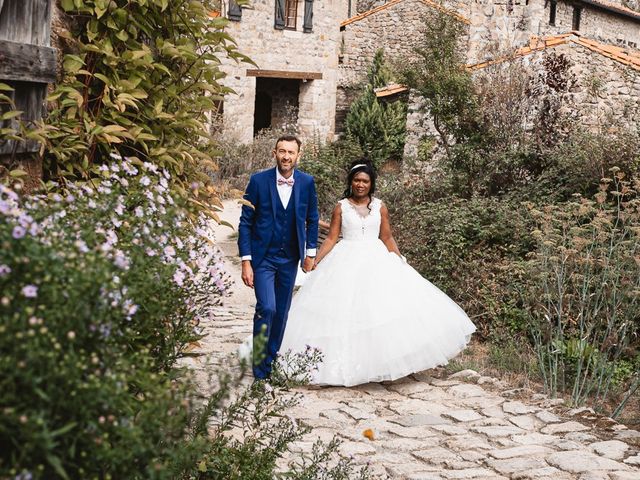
(294, 45)
(605, 90)
(395, 26)
(604, 95)
(312, 57)
(501, 25)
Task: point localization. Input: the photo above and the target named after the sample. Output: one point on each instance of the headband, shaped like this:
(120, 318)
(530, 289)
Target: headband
(358, 166)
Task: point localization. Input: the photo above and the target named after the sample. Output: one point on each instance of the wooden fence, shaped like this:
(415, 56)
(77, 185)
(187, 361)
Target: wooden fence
(27, 62)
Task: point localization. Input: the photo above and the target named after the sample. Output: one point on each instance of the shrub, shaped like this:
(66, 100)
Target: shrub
(139, 78)
(582, 298)
(98, 302)
(329, 163)
(379, 127)
(467, 247)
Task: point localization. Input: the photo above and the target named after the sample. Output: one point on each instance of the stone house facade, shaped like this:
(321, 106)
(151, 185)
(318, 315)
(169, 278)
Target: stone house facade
(496, 26)
(605, 87)
(294, 45)
(309, 74)
(605, 21)
(363, 34)
(604, 96)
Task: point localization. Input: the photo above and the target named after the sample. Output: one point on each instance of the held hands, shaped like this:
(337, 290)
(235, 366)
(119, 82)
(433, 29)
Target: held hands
(308, 264)
(247, 273)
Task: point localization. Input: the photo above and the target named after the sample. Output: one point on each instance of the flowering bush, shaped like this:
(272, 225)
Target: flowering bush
(582, 297)
(102, 290)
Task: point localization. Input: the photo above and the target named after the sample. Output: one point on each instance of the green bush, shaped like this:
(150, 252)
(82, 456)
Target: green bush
(467, 247)
(102, 290)
(140, 77)
(379, 127)
(329, 163)
(583, 289)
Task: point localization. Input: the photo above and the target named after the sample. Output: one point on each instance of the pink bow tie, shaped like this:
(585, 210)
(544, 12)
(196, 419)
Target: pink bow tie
(285, 181)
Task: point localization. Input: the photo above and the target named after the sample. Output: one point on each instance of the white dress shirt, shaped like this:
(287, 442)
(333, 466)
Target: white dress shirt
(284, 192)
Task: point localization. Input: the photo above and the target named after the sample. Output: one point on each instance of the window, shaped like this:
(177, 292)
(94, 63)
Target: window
(552, 12)
(290, 14)
(575, 24)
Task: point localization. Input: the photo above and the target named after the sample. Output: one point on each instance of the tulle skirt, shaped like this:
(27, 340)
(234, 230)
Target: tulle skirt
(373, 317)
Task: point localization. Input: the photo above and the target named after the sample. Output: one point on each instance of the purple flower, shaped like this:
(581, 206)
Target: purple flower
(145, 181)
(18, 232)
(130, 308)
(81, 245)
(178, 277)
(4, 270)
(121, 260)
(30, 291)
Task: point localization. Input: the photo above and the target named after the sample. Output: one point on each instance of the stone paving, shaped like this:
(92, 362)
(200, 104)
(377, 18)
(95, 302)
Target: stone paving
(465, 426)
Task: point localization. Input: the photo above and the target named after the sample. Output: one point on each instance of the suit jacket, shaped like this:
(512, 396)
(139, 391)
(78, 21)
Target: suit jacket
(257, 224)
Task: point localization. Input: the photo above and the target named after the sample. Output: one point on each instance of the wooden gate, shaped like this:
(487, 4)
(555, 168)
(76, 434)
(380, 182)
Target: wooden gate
(27, 62)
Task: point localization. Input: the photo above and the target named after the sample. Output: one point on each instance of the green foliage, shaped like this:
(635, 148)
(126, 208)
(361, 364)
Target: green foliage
(582, 298)
(439, 78)
(329, 163)
(379, 127)
(141, 76)
(98, 291)
(464, 246)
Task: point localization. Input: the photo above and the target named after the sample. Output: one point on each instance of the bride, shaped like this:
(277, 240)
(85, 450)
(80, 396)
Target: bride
(371, 315)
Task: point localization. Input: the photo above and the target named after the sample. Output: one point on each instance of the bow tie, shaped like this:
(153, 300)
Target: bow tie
(286, 181)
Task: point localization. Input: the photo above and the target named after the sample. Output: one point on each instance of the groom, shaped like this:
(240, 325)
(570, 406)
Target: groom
(275, 233)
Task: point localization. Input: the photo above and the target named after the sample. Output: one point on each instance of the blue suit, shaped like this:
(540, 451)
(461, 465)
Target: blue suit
(276, 238)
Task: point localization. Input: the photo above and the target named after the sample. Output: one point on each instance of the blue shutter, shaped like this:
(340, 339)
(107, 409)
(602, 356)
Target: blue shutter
(307, 26)
(235, 12)
(279, 16)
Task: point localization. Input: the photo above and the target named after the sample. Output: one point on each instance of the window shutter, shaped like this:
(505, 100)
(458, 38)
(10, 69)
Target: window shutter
(235, 12)
(307, 27)
(279, 17)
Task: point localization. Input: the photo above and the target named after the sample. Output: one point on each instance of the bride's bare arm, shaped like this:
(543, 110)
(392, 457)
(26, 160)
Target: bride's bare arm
(334, 233)
(385, 232)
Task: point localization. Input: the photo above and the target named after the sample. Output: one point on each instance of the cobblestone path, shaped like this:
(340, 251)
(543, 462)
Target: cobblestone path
(466, 426)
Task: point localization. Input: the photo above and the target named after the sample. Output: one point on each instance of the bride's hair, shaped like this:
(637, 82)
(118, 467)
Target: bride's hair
(361, 165)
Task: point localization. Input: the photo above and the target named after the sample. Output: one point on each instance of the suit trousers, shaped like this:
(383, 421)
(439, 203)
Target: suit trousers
(273, 281)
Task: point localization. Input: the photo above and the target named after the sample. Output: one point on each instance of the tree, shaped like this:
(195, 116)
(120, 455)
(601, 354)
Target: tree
(379, 127)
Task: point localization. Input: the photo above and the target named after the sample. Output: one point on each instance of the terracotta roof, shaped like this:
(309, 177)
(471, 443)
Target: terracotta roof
(390, 89)
(214, 13)
(613, 7)
(625, 56)
(391, 3)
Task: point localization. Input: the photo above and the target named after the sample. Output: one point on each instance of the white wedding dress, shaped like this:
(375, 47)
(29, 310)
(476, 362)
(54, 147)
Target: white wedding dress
(371, 315)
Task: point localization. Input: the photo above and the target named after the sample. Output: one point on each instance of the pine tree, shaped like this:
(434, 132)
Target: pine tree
(379, 127)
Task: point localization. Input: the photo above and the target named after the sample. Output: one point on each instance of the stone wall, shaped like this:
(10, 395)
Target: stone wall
(605, 94)
(596, 24)
(285, 50)
(501, 25)
(396, 29)
(604, 97)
